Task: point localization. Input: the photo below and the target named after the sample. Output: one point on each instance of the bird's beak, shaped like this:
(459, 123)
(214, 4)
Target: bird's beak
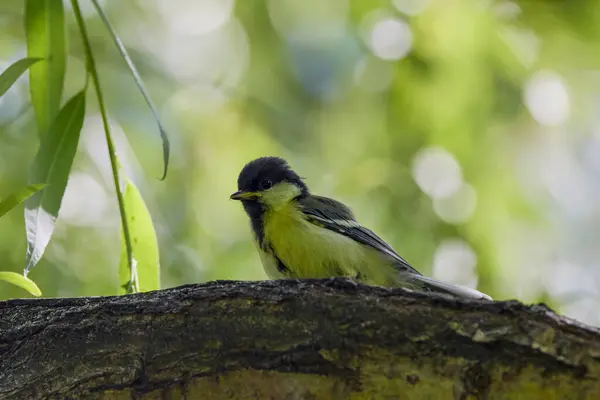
(241, 195)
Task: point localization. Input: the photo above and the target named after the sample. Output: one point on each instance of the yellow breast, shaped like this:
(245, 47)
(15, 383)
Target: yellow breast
(309, 251)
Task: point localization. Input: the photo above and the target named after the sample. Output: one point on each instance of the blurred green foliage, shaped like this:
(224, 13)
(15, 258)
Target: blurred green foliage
(313, 82)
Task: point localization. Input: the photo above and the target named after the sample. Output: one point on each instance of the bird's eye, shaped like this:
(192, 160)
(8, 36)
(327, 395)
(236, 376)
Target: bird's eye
(265, 184)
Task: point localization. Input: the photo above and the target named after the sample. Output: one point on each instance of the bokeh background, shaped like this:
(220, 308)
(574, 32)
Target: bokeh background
(465, 132)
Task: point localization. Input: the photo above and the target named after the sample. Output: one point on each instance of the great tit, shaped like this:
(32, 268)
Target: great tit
(301, 235)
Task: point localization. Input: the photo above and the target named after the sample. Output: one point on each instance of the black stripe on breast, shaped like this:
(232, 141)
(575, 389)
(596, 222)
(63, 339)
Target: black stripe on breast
(280, 265)
(256, 212)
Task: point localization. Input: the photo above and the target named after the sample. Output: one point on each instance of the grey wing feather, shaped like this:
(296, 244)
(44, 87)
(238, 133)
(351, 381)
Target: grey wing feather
(333, 215)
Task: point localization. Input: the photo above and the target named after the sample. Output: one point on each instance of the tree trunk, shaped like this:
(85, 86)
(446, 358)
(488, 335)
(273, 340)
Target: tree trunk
(310, 339)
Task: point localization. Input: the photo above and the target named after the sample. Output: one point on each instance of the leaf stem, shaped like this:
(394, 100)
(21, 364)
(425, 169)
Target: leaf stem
(91, 68)
(138, 80)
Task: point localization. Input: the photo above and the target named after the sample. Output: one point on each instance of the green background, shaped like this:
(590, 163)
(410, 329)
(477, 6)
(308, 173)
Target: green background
(465, 132)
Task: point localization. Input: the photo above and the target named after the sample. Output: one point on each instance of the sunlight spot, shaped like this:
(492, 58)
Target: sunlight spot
(506, 10)
(454, 261)
(458, 207)
(437, 172)
(195, 17)
(390, 38)
(565, 278)
(85, 202)
(547, 98)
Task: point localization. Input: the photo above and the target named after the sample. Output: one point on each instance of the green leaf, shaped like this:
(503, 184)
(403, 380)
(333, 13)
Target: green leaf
(14, 199)
(14, 71)
(45, 31)
(52, 166)
(146, 269)
(138, 80)
(21, 281)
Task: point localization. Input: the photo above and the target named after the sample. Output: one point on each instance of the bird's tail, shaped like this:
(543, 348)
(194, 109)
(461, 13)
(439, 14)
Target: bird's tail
(456, 290)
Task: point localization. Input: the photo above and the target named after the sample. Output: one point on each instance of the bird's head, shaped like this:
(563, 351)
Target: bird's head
(269, 181)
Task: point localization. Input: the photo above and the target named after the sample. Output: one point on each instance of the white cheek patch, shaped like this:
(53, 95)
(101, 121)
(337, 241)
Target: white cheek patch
(280, 194)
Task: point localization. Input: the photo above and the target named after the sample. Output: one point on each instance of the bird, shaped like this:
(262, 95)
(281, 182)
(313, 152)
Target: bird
(300, 235)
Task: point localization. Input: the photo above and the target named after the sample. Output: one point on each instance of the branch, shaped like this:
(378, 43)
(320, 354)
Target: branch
(310, 339)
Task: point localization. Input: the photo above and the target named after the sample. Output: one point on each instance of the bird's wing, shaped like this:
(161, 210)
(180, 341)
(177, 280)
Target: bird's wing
(335, 216)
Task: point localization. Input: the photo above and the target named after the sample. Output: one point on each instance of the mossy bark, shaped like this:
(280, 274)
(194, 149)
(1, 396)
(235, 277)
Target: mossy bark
(315, 339)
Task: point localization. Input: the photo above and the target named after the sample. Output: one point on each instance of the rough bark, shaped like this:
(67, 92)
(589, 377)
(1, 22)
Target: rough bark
(325, 339)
